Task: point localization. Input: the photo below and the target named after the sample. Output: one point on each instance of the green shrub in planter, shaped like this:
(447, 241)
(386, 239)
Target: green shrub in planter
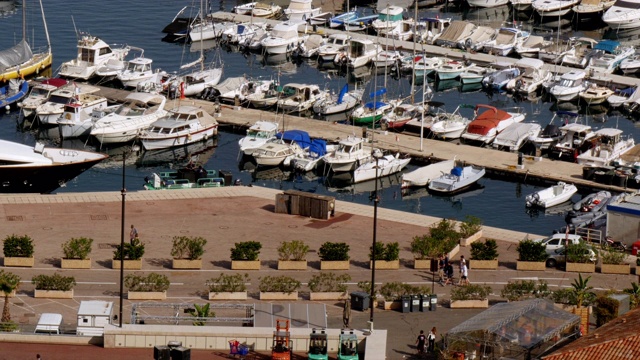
(77, 248)
(578, 293)
(282, 284)
(151, 283)
(228, 283)
(54, 282)
(606, 309)
(445, 229)
(612, 256)
(246, 251)
(470, 226)
(328, 282)
(578, 253)
(529, 250)
(470, 292)
(133, 250)
(487, 250)
(525, 289)
(388, 252)
(394, 290)
(187, 247)
(18, 246)
(333, 251)
(295, 250)
(365, 287)
(424, 247)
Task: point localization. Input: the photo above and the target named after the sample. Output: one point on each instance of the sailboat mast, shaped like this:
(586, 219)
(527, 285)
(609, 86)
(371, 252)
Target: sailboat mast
(44, 22)
(24, 19)
(415, 34)
(201, 42)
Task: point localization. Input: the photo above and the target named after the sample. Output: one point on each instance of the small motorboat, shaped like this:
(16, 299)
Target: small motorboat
(289, 145)
(351, 151)
(531, 47)
(339, 20)
(505, 41)
(138, 70)
(589, 209)
(92, 54)
(630, 65)
(308, 161)
(532, 75)
(623, 97)
(609, 147)
(551, 196)
(450, 125)
(607, 55)
(266, 10)
(257, 135)
(188, 177)
(595, 94)
(574, 138)
(551, 133)
(422, 176)
(452, 69)
(515, 135)
(13, 92)
(388, 19)
(244, 9)
(400, 115)
(334, 44)
(386, 58)
(429, 30)
(320, 19)
(39, 94)
(298, 98)
(310, 47)
(473, 75)
(458, 179)
(377, 167)
(489, 123)
(570, 86)
(498, 79)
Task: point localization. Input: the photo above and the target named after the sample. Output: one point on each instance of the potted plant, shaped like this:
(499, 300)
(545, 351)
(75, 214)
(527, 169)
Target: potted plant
(244, 255)
(187, 252)
(328, 286)
(580, 258)
(470, 296)
(484, 255)
(613, 262)
(279, 288)
(531, 255)
(442, 239)
(53, 286)
(386, 255)
(292, 255)
(228, 287)
(76, 253)
(132, 253)
(334, 256)
(9, 284)
(151, 287)
(525, 289)
(18, 251)
(470, 230)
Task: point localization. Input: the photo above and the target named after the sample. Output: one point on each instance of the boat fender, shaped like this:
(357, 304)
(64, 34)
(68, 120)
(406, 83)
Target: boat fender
(189, 137)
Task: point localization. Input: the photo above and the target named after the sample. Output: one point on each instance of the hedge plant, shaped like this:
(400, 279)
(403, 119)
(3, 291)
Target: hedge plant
(77, 248)
(487, 250)
(329, 282)
(525, 289)
(295, 250)
(18, 246)
(394, 290)
(283, 284)
(386, 252)
(470, 226)
(529, 250)
(133, 250)
(442, 238)
(578, 253)
(470, 292)
(246, 251)
(153, 282)
(334, 251)
(611, 256)
(188, 247)
(53, 282)
(228, 283)
(606, 309)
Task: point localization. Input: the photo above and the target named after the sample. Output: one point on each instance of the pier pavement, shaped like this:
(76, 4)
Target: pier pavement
(224, 216)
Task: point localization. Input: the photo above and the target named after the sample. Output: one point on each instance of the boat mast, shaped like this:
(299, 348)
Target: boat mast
(413, 68)
(44, 22)
(201, 41)
(24, 19)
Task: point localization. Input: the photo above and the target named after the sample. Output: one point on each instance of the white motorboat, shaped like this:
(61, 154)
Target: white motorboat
(266, 11)
(607, 55)
(497, 80)
(339, 20)
(595, 94)
(489, 123)
(378, 167)
(258, 134)
(588, 8)
(182, 125)
(239, 89)
(473, 74)
(630, 65)
(264, 98)
(487, 3)
(551, 133)
(521, 5)
(320, 19)
(429, 30)
(388, 18)
(624, 96)
(297, 98)
(350, 151)
(477, 39)
(530, 48)
(239, 33)
(455, 34)
(578, 54)
(335, 44)
(289, 145)
(609, 147)
(553, 8)
(360, 23)
(422, 176)
(624, 14)
(359, 53)
(555, 52)
(244, 9)
(77, 119)
(551, 196)
(386, 58)
(421, 65)
(515, 135)
(92, 54)
(338, 104)
(208, 30)
(283, 38)
(505, 41)
(404, 31)
(39, 94)
(570, 86)
(49, 112)
(450, 125)
(114, 66)
(310, 47)
(574, 136)
(137, 112)
(452, 69)
(532, 75)
(301, 10)
(137, 71)
(458, 179)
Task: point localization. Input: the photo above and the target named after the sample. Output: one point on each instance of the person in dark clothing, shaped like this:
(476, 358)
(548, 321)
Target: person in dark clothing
(448, 272)
(432, 340)
(420, 342)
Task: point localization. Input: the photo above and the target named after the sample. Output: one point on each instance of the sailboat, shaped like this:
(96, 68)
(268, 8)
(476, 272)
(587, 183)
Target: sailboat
(19, 61)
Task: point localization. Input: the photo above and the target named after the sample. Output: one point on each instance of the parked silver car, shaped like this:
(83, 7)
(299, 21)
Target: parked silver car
(558, 257)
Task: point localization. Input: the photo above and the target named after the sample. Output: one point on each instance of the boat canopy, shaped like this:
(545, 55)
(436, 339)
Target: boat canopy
(627, 4)
(18, 54)
(300, 137)
(318, 148)
(488, 120)
(627, 91)
(609, 46)
(458, 30)
(376, 105)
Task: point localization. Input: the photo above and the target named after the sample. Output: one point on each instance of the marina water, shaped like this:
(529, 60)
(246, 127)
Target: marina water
(497, 203)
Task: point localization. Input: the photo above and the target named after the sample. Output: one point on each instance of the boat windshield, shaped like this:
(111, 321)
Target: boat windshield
(133, 108)
(257, 134)
(38, 92)
(57, 99)
(568, 83)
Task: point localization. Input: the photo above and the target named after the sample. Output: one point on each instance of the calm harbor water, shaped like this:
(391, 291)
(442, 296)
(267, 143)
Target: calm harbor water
(498, 203)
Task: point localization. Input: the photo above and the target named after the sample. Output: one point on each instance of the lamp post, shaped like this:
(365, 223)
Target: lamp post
(376, 155)
(123, 192)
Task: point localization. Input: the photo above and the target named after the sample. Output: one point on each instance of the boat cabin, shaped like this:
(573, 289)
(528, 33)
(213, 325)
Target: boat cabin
(93, 50)
(350, 146)
(338, 39)
(359, 47)
(139, 65)
(390, 13)
(573, 78)
(301, 92)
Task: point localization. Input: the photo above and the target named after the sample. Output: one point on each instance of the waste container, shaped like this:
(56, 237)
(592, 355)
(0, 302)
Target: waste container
(424, 303)
(415, 303)
(406, 303)
(433, 301)
(359, 301)
(635, 248)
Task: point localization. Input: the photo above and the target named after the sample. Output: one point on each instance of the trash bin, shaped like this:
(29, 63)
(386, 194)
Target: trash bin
(424, 303)
(406, 303)
(635, 248)
(359, 301)
(415, 303)
(433, 302)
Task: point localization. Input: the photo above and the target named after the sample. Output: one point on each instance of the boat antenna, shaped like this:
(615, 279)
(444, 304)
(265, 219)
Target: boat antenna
(75, 29)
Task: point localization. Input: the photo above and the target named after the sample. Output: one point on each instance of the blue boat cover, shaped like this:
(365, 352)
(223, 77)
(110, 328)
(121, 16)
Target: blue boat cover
(344, 90)
(318, 148)
(607, 45)
(378, 93)
(378, 104)
(457, 171)
(300, 137)
(627, 91)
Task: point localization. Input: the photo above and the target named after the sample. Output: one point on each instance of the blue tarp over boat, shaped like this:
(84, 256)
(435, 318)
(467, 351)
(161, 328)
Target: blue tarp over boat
(457, 171)
(378, 93)
(378, 104)
(607, 45)
(318, 148)
(300, 137)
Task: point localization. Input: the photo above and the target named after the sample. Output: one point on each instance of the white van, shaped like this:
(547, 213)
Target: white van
(556, 241)
(49, 323)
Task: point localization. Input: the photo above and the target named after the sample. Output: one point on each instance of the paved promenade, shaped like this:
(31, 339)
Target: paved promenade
(224, 216)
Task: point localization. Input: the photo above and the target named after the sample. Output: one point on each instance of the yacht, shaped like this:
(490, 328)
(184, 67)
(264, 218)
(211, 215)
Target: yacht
(350, 152)
(571, 144)
(301, 10)
(92, 54)
(124, 124)
(489, 123)
(335, 44)
(266, 11)
(378, 167)
(553, 8)
(257, 135)
(532, 75)
(283, 38)
(624, 14)
(359, 53)
(606, 56)
(39, 94)
(570, 86)
(610, 146)
(388, 19)
(505, 41)
(182, 125)
(138, 70)
(298, 98)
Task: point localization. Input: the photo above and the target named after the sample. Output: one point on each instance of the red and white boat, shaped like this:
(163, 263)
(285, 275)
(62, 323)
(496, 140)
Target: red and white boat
(489, 123)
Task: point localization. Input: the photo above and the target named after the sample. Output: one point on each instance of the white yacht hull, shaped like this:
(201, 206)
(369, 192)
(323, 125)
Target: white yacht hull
(164, 143)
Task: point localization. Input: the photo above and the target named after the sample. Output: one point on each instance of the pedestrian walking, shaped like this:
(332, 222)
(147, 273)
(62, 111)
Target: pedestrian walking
(432, 340)
(464, 274)
(441, 269)
(420, 342)
(133, 233)
(448, 273)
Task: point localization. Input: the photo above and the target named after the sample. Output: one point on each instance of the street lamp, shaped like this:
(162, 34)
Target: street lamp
(124, 194)
(376, 154)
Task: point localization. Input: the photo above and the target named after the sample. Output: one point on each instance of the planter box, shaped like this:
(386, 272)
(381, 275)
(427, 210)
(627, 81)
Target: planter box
(245, 265)
(292, 265)
(147, 295)
(469, 304)
(421, 264)
(386, 265)
(483, 264)
(391, 305)
(325, 296)
(53, 294)
(239, 295)
(581, 267)
(624, 269)
(278, 296)
(530, 265)
(471, 239)
(19, 261)
(128, 264)
(186, 264)
(334, 265)
(75, 263)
